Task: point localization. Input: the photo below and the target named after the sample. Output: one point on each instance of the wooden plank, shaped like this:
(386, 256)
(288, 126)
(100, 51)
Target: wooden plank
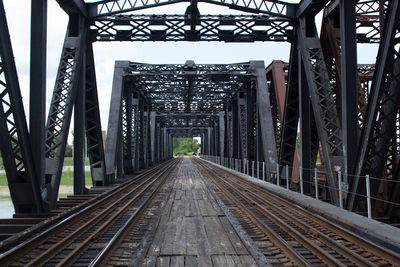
(247, 260)
(218, 237)
(233, 237)
(191, 208)
(226, 260)
(191, 261)
(179, 194)
(178, 209)
(206, 209)
(177, 261)
(174, 242)
(216, 207)
(163, 261)
(197, 242)
(155, 247)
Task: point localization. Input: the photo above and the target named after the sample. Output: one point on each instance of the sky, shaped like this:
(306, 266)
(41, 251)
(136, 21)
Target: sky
(18, 17)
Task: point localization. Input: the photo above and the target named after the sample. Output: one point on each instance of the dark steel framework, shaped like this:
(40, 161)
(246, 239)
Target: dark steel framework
(343, 113)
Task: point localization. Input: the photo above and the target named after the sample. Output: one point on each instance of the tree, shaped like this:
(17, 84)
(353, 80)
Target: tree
(68, 151)
(184, 145)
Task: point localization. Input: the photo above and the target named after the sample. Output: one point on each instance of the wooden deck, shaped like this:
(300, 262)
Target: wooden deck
(193, 230)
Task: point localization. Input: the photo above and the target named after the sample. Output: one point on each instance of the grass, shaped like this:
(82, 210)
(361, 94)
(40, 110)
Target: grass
(68, 161)
(67, 178)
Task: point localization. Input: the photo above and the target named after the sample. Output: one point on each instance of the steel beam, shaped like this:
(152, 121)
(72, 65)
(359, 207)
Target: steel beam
(243, 126)
(310, 7)
(127, 130)
(94, 135)
(73, 7)
(79, 128)
(271, 7)
(114, 120)
(37, 98)
(305, 129)
(145, 137)
(15, 145)
(322, 100)
(384, 75)
(59, 117)
(265, 116)
(243, 28)
(349, 74)
(221, 134)
(153, 143)
(288, 154)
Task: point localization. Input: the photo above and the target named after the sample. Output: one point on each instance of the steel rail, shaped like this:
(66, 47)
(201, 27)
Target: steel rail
(330, 242)
(316, 250)
(63, 243)
(94, 203)
(68, 260)
(275, 238)
(260, 193)
(380, 251)
(260, 196)
(117, 238)
(355, 258)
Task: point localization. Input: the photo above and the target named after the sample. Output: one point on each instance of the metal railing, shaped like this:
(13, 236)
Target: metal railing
(319, 186)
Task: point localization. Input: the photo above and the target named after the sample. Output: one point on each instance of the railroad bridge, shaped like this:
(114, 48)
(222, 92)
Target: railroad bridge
(319, 131)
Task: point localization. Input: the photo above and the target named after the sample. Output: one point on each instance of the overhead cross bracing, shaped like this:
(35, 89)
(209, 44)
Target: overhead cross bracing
(188, 87)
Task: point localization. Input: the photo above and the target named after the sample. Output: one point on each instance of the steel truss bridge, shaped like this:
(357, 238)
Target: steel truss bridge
(345, 114)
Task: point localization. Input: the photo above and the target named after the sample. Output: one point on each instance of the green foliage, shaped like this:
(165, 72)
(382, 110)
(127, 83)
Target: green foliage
(68, 151)
(185, 145)
(69, 161)
(67, 178)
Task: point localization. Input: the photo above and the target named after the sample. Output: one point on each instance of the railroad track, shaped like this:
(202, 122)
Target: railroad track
(87, 237)
(288, 234)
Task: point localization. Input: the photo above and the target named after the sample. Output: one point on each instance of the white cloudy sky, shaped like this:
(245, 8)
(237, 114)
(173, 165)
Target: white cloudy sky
(18, 16)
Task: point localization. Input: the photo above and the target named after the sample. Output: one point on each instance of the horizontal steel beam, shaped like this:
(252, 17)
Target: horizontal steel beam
(224, 28)
(273, 7)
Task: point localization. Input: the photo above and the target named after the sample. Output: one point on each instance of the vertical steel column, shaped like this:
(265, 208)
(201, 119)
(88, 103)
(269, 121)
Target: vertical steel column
(288, 144)
(254, 144)
(37, 98)
(114, 120)
(305, 129)
(152, 137)
(94, 135)
(15, 145)
(202, 144)
(171, 149)
(59, 118)
(383, 105)
(323, 103)
(221, 134)
(79, 125)
(229, 130)
(146, 131)
(265, 116)
(127, 131)
(165, 147)
(136, 138)
(141, 132)
(235, 130)
(209, 141)
(243, 124)
(120, 150)
(349, 88)
(158, 141)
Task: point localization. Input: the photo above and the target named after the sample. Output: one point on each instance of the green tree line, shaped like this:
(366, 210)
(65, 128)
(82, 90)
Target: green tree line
(185, 145)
